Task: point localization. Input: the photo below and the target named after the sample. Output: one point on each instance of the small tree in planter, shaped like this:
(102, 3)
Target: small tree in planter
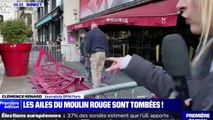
(15, 53)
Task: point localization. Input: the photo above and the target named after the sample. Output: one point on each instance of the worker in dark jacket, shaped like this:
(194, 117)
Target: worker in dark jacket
(95, 44)
(198, 14)
(85, 59)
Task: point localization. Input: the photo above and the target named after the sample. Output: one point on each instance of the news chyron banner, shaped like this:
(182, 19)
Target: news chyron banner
(75, 107)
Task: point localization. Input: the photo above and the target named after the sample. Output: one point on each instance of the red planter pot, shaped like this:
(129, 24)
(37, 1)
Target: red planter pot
(15, 58)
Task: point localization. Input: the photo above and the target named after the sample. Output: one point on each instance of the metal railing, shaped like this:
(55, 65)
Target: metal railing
(61, 53)
(111, 88)
(116, 89)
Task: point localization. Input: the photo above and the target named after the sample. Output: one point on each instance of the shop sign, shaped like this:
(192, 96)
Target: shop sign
(78, 26)
(55, 14)
(163, 20)
(118, 20)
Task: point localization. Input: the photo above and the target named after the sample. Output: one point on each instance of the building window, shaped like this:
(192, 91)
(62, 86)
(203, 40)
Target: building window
(62, 4)
(53, 4)
(29, 20)
(45, 7)
(58, 2)
(42, 12)
(39, 12)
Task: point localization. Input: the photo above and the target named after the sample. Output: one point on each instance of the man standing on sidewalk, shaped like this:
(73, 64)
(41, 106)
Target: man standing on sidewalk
(96, 46)
(85, 59)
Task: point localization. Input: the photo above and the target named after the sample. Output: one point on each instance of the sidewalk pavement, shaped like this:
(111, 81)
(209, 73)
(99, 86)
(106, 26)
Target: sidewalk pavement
(15, 85)
(21, 85)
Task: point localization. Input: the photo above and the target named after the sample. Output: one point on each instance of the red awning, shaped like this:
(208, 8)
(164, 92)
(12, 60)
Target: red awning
(162, 14)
